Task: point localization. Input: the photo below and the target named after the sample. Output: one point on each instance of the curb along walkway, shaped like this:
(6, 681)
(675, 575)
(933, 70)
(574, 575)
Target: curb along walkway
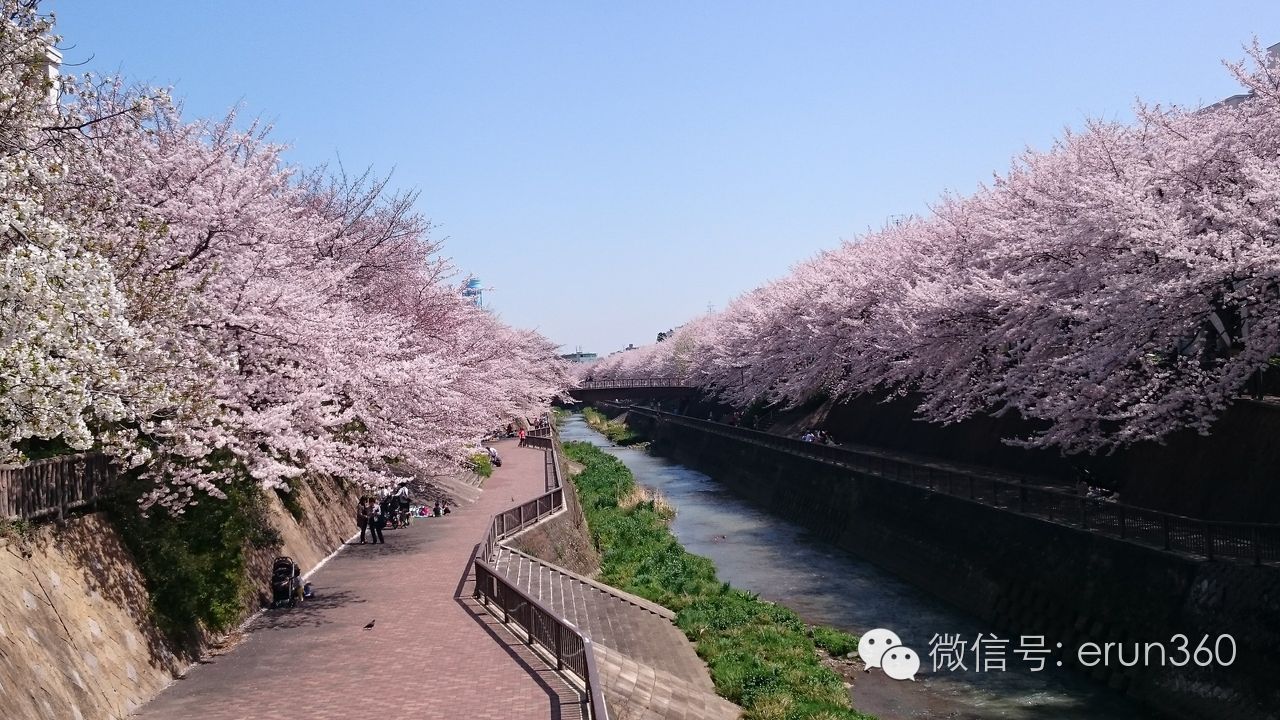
(433, 651)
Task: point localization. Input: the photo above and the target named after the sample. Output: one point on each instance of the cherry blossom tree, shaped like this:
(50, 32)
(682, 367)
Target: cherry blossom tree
(176, 293)
(65, 337)
(1117, 287)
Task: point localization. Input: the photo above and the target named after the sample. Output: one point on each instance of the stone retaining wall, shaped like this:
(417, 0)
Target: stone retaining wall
(563, 540)
(1021, 575)
(77, 641)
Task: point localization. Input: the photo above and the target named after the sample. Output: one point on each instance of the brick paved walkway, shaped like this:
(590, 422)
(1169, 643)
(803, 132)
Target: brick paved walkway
(433, 652)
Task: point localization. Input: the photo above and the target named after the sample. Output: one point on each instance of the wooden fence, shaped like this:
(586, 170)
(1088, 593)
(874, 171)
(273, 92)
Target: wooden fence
(53, 486)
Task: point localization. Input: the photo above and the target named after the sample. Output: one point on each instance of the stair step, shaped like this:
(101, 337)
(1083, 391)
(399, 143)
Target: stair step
(610, 620)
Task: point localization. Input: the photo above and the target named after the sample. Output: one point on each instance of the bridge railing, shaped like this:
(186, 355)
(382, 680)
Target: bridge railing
(567, 646)
(54, 486)
(667, 382)
(1251, 542)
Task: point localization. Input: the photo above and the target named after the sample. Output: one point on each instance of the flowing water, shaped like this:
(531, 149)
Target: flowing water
(825, 585)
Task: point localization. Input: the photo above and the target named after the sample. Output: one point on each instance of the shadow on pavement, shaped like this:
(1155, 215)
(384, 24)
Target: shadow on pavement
(564, 705)
(309, 614)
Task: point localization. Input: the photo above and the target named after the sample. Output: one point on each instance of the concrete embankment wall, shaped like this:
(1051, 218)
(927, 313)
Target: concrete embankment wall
(1226, 475)
(1020, 575)
(77, 637)
(563, 540)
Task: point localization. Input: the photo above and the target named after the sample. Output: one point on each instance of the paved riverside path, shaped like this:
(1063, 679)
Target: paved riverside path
(433, 651)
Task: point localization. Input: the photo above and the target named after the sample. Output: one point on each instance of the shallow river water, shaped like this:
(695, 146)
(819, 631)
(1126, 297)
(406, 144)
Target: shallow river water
(781, 562)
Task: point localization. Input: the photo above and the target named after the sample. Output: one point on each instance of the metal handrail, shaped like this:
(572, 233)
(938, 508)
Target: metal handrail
(567, 645)
(666, 382)
(539, 442)
(1212, 539)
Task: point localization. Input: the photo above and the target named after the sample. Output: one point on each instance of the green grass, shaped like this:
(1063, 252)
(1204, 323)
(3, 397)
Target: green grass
(762, 655)
(482, 465)
(616, 430)
(835, 642)
(16, 528)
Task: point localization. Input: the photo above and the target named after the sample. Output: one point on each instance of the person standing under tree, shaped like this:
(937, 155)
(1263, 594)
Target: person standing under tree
(402, 503)
(376, 520)
(362, 516)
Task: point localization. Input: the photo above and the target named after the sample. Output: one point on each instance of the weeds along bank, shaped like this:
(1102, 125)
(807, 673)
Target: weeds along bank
(1022, 575)
(616, 429)
(97, 616)
(762, 656)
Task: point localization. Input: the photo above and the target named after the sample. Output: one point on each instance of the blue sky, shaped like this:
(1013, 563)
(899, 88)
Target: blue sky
(610, 169)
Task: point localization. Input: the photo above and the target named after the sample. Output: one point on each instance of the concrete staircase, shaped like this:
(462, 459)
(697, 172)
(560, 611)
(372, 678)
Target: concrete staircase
(636, 691)
(633, 638)
(462, 488)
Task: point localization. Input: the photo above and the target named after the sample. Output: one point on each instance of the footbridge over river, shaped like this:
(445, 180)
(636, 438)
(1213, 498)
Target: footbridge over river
(663, 388)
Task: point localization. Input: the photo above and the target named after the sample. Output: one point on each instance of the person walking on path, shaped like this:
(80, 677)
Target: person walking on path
(402, 504)
(376, 520)
(362, 516)
(521, 444)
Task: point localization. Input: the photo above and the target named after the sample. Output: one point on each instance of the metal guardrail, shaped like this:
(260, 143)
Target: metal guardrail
(561, 639)
(54, 486)
(552, 470)
(1251, 542)
(539, 442)
(669, 382)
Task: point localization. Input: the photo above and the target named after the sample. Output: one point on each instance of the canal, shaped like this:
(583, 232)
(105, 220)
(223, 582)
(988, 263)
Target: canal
(782, 563)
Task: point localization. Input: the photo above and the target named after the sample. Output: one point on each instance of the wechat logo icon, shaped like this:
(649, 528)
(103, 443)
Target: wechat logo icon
(882, 648)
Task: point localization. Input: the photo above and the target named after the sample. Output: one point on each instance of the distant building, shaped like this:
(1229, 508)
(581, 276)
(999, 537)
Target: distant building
(581, 357)
(1273, 54)
(473, 292)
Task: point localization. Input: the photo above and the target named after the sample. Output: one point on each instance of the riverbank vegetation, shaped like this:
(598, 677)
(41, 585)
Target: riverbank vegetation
(616, 430)
(481, 464)
(761, 655)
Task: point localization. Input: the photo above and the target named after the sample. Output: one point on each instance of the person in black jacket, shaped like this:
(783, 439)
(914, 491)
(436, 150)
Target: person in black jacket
(362, 516)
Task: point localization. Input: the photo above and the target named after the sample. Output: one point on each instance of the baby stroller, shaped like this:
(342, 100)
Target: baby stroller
(285, 579)
(390, 517)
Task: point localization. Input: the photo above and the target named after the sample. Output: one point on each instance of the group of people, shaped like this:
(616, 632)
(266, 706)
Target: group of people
(817, 436)
(374, 514)
(522, 433)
